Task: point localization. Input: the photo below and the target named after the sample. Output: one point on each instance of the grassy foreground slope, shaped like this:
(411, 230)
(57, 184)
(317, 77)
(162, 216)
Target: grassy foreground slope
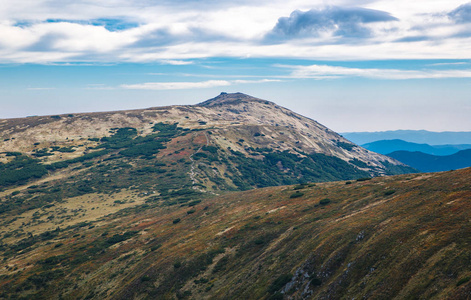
(403, 237)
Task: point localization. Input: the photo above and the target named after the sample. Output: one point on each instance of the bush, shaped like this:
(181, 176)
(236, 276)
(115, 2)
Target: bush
(176, 221)
(20, 170)
(120, 237)
(221, 264)
(389, 192)
(324, 201)
(210, 149)
(297, 194)
(194, 202)
(200, 155)
(279, 283)
(463, 281)
(300, 186)
(153, 248)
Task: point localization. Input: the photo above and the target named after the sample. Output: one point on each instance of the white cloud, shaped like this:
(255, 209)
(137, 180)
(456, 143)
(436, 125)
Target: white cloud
(175, 62)
(450, 64)
(176, 85)
(326, 72)
(190, 85)
(175, 32)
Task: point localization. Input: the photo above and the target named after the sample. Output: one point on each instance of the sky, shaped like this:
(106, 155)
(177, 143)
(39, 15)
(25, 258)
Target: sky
(363, 65)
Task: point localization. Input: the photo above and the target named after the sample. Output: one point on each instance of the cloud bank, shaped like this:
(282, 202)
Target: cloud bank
(158, 31)
(337, 21)
(190, 85)
(329, 72)
(461, 14)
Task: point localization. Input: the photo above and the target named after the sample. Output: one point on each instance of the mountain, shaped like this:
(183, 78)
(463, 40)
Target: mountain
(233, 141)
(432, 163)
(413, 136)
(400, 237)
(226, 199)
(388, 146)
(89, 201)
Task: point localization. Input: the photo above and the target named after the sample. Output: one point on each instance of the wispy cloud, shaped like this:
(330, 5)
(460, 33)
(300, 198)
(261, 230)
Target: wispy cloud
(326, 72)
(175, 85)
(190, 85)
(175, 62)
(450, 63)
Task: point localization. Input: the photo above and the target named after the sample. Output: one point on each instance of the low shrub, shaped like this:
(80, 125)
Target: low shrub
(324, 201)
(297, 194)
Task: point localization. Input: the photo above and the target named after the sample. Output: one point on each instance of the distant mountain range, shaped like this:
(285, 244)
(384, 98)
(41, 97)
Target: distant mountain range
(423, 150)
(413, 136)
(388, 146)
(433, 163)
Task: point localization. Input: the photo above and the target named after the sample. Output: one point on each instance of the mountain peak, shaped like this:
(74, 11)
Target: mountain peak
(230, 99)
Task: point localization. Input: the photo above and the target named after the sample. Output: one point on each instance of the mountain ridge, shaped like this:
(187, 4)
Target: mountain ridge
(414, 136)
(387, 146)
(434, 163)
(263, 123)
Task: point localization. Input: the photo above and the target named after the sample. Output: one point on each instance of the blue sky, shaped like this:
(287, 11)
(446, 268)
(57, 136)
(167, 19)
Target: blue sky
(352, 65)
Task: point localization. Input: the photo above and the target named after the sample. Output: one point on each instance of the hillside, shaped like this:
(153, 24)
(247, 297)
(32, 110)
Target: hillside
(64, 170)
(76, 186)
(388, 146)
(233, 141)
(433, 163)
(404, 236)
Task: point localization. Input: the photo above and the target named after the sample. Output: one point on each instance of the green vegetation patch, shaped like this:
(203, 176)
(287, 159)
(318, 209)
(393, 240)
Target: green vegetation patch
(463, 281)
(285, 168)
(120, 237)
(20, 170)
(167, 130)
(279, 283)
(297, 194)
(324, 201)
(346, 146)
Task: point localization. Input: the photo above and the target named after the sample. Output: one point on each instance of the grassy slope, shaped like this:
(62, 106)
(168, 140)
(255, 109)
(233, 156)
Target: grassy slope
(406, 236)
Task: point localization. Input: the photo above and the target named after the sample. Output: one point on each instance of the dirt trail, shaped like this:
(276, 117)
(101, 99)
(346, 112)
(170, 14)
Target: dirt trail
(363, 209)
(192, 172)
